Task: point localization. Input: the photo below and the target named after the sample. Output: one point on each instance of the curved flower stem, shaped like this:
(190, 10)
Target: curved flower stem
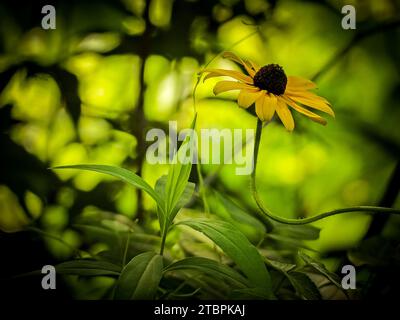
(202, 187)
(267, 213)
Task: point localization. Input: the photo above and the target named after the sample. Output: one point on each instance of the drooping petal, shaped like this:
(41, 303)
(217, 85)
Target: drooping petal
(285, 115)
(254, 65)
(223, 86)
(306, 94)
(296, 83)
(231, 56)
(313, 103)
(249, 69)
(230, 73)
(314, 117)
(265, 106)
(247, 97)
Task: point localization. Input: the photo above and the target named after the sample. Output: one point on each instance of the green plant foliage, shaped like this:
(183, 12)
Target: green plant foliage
(185, 196)
(119, 173)
(304, 287)
(210, 267)
(139, 279)
(320, 268)
(178, 176)
(237, 247)
(78, 191)
(88, 268)
(246, 223)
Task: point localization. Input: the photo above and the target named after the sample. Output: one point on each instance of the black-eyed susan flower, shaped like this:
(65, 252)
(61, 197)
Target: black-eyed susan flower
(271, 91)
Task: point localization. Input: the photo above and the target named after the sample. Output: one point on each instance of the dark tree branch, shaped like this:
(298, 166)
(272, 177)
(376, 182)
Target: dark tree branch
(361, 35)
(138, 120)
(387, 200)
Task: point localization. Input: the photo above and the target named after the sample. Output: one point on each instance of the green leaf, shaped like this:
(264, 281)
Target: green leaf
(301, 232)
(248, 294)
(88, 268)
(246, 223)
(140, 278)
(288, 242)
(160, 186)
(120, 173)
(211, 267)
(184, 199)
(98, 234)
(280, 266)
(320, 268)
(303, 285)
(115, 225)
(116, 241)
(199, 249)
(237, 247)
(179, 172)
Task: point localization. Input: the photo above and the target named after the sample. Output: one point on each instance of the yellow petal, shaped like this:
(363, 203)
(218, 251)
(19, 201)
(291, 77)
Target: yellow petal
(230, 73)
(224, 86)
(285, 115)
(247, 97)
(313, 103)
(231, 56)
(249, 69)
(311, 115)
(265, 107)
(296, 83)
(306, 94)
(254, 65)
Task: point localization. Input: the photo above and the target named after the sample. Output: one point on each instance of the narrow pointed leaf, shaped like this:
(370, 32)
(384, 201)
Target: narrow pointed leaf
(320, 268)
(85, 267)
(303, 285)
(183, 200)
(179, 172)
(120, 173)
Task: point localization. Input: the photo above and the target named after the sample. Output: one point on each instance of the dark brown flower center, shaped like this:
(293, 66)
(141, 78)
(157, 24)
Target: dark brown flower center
(271, 78)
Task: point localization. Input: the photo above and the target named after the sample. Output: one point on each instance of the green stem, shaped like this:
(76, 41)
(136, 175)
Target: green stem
(202, 189)
(163, 238)
(128, 236)
(267, 213)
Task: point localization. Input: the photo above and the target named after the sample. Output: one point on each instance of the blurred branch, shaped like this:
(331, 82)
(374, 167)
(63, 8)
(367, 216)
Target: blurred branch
(391, 148)
(138, 119)
(21, 171)
(387, 144)
(388, 199)
(386, 26)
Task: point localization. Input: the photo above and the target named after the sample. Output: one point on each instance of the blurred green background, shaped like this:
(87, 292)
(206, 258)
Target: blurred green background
(89, 91)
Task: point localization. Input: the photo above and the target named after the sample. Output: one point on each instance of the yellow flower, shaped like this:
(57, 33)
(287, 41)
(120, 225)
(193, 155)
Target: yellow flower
(271, 91)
